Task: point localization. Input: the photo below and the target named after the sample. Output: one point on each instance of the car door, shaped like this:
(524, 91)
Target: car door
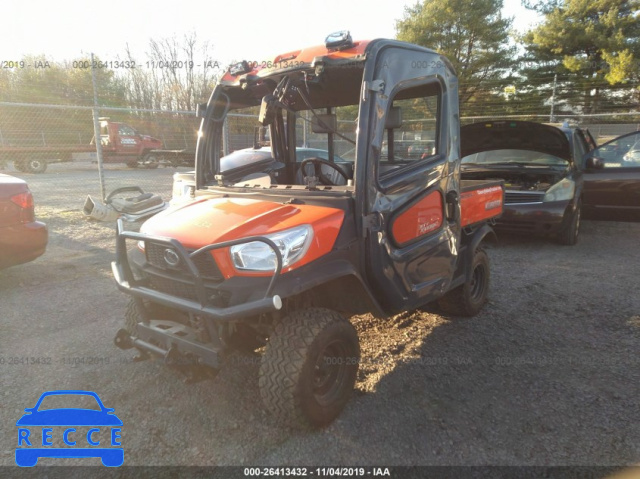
(411, 245)
(613, 182)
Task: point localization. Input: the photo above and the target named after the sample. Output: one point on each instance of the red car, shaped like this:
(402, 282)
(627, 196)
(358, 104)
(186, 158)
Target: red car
(22, 238)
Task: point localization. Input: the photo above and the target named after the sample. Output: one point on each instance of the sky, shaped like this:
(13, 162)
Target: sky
(236, 29)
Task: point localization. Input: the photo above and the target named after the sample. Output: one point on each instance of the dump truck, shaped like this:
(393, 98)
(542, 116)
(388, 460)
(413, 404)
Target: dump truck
(272, 255)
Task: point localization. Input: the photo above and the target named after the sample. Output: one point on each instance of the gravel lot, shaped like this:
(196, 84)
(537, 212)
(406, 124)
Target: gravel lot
(548, 374)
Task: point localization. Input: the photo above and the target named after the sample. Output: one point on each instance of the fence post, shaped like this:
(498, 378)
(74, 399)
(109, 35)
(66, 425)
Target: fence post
(96, 130)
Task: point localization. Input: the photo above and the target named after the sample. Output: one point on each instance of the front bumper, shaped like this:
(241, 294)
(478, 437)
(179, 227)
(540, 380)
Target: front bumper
(126, 282)
(535, 218)
(172, 339)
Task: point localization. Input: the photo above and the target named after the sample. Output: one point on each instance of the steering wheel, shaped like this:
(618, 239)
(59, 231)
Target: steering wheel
(317, 167)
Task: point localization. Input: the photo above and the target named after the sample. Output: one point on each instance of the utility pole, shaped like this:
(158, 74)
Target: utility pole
(553, 98)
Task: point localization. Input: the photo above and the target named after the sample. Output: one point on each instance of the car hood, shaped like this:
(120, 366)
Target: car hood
(69, 417)
(514, 135)
(210, 220)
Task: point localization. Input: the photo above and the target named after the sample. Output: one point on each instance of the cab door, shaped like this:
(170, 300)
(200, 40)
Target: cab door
(128, 140)
(412, 211)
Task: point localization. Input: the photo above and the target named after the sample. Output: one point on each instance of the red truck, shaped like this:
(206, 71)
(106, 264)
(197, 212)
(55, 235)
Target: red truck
(120, 144)
(274, 255)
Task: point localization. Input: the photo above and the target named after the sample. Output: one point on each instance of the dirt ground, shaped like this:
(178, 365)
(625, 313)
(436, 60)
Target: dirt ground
(548, 374)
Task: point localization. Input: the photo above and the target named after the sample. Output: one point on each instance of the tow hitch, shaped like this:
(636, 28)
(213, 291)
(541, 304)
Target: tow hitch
(192, 367)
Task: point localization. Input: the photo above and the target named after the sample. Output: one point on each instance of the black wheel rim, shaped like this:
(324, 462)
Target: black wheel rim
(477, 285)
(330, 372)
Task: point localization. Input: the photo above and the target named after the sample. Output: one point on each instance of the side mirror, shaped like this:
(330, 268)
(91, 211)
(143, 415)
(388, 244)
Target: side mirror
(594, 163)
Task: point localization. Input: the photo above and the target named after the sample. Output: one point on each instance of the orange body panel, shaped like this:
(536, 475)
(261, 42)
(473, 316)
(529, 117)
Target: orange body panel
(216, 220)
(297, 57)
(481, 204)
(422, 218)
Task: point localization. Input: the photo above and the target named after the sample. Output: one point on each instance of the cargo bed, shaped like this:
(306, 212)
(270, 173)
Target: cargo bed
(480, 201)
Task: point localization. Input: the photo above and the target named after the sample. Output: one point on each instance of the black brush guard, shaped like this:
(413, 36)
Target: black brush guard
(172, 340)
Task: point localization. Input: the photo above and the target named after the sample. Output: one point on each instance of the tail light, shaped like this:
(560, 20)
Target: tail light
(25, 202)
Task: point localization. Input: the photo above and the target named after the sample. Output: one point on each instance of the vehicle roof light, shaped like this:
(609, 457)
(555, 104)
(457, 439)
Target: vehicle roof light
(339, 40)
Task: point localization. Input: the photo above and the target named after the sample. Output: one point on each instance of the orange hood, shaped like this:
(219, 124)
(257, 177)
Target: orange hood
(215, 220)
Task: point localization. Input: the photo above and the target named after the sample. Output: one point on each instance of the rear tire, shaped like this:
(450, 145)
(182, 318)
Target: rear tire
(35, 166)
(132, 164)
(309, 368)
(568, 236)
(469, 298)
(150, 160)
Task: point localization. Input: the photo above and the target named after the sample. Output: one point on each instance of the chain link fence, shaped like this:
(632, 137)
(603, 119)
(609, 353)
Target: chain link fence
(58, 139)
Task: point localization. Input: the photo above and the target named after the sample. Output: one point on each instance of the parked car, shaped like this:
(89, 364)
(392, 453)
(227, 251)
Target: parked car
(612, 177)
(539, 165)
(22, 238)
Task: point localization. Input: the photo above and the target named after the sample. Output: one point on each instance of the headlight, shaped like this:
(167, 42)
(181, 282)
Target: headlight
(257, 256)
(562, 190)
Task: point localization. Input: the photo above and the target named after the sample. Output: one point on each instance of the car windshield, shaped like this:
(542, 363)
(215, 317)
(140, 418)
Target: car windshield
(66, 401)
(512, 157)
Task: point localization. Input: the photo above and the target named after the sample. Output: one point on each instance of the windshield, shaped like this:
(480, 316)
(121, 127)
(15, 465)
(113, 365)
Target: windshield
(513, 157)
(295, 130)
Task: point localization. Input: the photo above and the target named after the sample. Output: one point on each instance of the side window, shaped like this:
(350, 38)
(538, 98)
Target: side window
(412, 127)
(581, 146)
(125, 130)
(622, 152)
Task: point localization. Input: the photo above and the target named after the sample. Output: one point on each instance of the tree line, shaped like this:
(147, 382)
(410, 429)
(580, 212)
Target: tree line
(584, 54)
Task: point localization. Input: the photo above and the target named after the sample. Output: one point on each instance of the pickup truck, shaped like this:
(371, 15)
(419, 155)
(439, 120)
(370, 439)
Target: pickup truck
(120, 144)
(273, 255)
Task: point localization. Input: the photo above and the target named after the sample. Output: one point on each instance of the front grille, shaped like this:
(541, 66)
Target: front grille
(205, 263)
(173, 287)
(184, 290)
(513, 197)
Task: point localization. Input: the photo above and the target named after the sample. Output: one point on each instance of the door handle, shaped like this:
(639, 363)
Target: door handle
(452, 206)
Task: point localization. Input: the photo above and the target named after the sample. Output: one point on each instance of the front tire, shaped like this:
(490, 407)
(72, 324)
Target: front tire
(309, 368)
(20, 165)
(469, 298)
(568, 236)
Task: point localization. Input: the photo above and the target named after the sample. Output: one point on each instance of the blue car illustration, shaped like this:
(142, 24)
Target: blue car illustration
(29, 432)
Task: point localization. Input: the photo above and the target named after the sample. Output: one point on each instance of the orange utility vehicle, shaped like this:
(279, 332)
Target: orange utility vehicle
(274, 254)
